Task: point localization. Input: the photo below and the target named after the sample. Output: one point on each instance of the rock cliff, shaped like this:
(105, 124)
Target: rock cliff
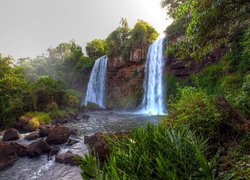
(125, 79)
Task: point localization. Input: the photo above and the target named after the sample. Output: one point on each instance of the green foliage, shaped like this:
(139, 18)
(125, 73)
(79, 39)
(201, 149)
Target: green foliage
(13, 90)
(173, 84)
(240, 98)
(238, 160)
(210, 78)
(225, 17)
(57, 114)
(230, 77)
(153, 153)
(177, 28)
(96, 48)
(142, 33)
(66, 63)
(196, 109)
(46, 90)
(122, 40)
(116, 41)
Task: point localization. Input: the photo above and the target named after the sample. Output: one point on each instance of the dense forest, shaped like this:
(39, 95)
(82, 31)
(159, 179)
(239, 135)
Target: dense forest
(205, 134)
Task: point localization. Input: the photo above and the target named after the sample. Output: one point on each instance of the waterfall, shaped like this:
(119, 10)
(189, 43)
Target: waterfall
(96, 86)
(153, 98)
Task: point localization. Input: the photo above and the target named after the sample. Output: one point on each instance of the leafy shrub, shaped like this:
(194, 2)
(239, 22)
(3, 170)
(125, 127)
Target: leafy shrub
(210, 77)
(96, 48)
(196, 109)
(174, 83)
(177, 28)
(241, 98)
(57, 113)
(153, 153)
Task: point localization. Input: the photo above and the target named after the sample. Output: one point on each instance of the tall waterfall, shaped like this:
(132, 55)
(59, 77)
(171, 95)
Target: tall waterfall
(153, 99)
(96, 85)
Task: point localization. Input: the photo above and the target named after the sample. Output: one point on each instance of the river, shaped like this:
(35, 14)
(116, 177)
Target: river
(43, 168)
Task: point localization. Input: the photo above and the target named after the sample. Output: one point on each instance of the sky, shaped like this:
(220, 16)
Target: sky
(29, 27)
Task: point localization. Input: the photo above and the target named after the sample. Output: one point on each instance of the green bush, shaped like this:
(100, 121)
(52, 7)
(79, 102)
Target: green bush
(197, 109)
(177, 28)
(96, 48)
(174, 83)
(57, 113)
(153, 153)
(241, 98)
(210, 77)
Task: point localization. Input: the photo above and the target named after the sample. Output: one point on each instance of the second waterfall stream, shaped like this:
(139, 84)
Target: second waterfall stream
(154, 95)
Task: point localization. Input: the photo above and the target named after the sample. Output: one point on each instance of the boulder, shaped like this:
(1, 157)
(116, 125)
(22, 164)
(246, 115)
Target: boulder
(73, 132)
(11, 134)
(68, 158)
(37, 148)
(91, 140)
(7, 155)
(54, 150)
(58, 135)
(85, 117)
(72, 142)
(44, 130)
(21, 149)
(32, 136)
(99, 145)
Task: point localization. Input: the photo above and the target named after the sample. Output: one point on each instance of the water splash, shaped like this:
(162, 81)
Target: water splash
(96, 85)
(153, 99)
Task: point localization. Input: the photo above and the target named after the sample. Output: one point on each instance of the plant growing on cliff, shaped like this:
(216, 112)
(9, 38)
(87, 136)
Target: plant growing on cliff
(153, 153)
(96, 48)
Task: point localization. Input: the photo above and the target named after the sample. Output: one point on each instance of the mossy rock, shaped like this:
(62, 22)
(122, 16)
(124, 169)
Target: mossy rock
(93, 106)
(32, 120)
(33, 124)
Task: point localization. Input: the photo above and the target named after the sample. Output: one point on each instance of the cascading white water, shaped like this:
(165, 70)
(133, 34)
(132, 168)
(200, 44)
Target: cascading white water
(96, 85)
(153, 99)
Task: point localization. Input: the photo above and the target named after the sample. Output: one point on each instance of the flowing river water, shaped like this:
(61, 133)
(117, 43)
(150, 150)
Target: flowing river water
(43, 168)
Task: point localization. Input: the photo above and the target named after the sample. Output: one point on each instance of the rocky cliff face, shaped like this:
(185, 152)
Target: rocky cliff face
(125, 79)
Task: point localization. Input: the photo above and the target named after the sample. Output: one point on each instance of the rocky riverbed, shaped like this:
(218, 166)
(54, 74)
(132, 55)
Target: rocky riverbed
(49, 166)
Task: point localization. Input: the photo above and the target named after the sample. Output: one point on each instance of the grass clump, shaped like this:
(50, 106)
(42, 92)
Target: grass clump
(154, 152)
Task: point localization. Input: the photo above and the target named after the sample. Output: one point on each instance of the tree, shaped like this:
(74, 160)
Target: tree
(142, 33)
(13, 89)
(96, 48)
(118, 39)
